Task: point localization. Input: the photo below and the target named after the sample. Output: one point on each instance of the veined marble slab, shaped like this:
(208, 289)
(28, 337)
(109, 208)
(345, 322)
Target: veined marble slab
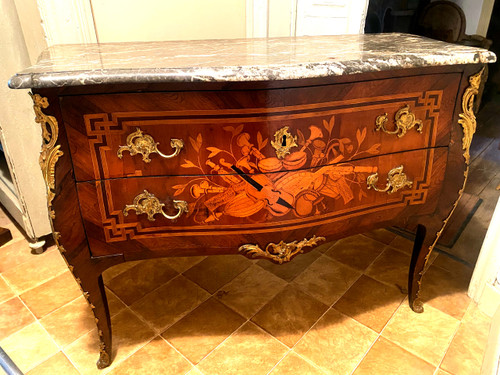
(239, 60)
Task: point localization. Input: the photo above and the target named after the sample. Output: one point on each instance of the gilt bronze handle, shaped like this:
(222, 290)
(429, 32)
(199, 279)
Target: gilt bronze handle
(404, 120)
(147, 203)
(396, 179)
(140, 143)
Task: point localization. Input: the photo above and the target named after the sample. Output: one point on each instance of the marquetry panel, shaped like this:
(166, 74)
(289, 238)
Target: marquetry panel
(232, 204)
(325, 132)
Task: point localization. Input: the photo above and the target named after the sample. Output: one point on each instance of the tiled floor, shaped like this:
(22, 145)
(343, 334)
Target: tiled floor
(340, 309)
(327, 313)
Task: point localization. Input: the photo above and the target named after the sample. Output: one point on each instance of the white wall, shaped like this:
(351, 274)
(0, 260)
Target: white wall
(20, 135)
(148, 20)
(84, 21)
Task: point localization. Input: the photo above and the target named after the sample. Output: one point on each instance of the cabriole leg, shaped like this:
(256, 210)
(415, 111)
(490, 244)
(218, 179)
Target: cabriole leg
(422, 248)
(93, 290)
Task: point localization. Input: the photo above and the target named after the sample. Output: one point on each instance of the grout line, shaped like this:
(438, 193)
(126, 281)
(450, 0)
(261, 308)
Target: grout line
(454, 335)
(116, 363)
(247, 320)
(410, 350)
(448, 346)
(223, 341)
(37, 321)
(110, 292)
(70, 361)
(379, 334)
(281, 360)
(10, 288)
(173, 347)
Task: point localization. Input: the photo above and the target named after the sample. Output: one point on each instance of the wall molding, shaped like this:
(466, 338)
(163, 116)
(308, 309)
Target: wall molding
(67, 22)
(482, 285)
(257, 18)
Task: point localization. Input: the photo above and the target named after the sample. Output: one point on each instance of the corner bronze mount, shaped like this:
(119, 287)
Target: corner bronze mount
(467, 117)
(404, 120)
(49, 155)
(281, 252)
(468, 122)
(50, 152)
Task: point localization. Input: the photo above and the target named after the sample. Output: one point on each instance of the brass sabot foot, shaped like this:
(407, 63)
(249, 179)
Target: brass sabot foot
(417, 306)
(104, 360)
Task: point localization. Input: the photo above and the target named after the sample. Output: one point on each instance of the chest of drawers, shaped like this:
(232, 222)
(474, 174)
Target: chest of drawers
(263, 158)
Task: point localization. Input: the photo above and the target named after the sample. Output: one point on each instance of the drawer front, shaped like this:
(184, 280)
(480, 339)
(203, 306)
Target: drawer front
(130, 209)
(127, 135)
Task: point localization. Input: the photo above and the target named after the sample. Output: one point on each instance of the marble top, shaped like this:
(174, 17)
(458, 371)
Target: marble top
(238, 60)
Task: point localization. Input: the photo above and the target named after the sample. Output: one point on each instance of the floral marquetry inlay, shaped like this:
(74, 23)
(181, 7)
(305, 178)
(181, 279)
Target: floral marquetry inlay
(250, 183)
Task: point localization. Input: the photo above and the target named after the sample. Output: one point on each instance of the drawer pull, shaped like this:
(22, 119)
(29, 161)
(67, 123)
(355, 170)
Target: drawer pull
(141, 143)
(147, 203)
(281, 252)
(404, 120)
(283, 142)
(396, 179)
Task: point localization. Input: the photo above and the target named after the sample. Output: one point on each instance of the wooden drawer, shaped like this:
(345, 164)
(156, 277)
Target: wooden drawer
(329, 124)
(233, 204)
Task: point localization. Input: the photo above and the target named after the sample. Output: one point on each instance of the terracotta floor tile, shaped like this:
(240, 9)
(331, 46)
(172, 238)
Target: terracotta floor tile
(14, 253)
(215, 271)
(476, 316)
(445, 291)
(40, 269)
(70, 322)
(370, 302)
(5, 291)
(165, 305)
(455, 267)
(289, 315)
(441, 372)
(182, 264)
(251, 290)
(52, 294)
(381, 235)
(356, 251)
(292, 364)
(13, 316)
(248, 351)
(57, 364)
(199, 332)
(157, 357)
(336, 343)
(289, 271)
(426, 335)
(384, 357)
(323, 248)
(465, 354)
(391, 267)
(137, 281)
(402, 244)
(326, 279)
(114, 271)
(114, 303)
(129, 334)
(7, 222)
(29, 346)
